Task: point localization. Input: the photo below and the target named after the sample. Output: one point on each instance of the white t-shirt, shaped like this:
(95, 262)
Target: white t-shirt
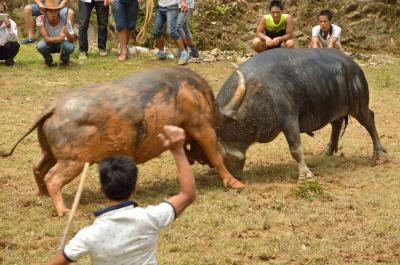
(336, 31)
(56, 30)
(8, 34)
(122, 235)
(165, 3)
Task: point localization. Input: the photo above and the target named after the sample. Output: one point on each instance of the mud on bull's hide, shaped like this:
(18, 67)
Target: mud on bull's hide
(122, 117)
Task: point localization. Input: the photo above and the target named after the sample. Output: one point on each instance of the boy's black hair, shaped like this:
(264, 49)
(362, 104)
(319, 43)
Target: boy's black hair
(326, 13)
(276, 3)
(118, 176)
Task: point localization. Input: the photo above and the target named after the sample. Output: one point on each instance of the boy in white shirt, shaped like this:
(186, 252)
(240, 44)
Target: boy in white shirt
(326, 35)
(9, 46)
(124, 234)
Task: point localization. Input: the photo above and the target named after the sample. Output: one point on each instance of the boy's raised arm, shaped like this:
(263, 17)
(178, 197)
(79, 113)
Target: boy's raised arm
(174, 138)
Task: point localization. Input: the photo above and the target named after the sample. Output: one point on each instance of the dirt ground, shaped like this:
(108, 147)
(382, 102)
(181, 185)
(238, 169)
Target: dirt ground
(349, 216)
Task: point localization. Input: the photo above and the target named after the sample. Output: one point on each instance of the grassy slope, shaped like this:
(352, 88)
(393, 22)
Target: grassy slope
(354, 222)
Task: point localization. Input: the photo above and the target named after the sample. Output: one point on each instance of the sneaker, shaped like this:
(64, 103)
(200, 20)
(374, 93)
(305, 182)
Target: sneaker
(103, 52)
(194, 52)
(49, 61)
(82, 56)
(28, 40)
(65, 61)
(161, 55)
(184, 58)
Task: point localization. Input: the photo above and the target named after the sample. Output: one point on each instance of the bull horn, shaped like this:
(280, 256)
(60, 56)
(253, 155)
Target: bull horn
(238, 97)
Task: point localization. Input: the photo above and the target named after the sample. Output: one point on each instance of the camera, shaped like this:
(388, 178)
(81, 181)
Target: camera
(3, 16)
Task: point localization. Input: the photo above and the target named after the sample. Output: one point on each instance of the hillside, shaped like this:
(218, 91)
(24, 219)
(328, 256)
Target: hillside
(230, 24)
(366, 24)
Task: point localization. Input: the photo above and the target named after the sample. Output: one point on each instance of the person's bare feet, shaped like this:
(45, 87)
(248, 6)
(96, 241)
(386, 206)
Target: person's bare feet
(123, 57)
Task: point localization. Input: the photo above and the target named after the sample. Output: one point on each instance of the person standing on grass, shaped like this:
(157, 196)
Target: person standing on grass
(182, 25)
(56, 31)
(123, 233)
(274, 30)
(33, 10)
(125, 14)
(167, 13)
(85, 8)
(326, 34)
(9, 45)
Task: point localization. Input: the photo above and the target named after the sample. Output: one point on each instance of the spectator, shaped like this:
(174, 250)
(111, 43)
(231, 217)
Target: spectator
(85, 8)
(167, 13)
(274, 30)
(56, 31)
(33, 10)
(326, 34)
(124, 233)
(125, 14)
(182, 25)
(9, 45)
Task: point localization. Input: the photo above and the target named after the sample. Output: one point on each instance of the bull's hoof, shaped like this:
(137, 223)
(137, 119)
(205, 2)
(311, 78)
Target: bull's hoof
(329, 150)
(234, 184)
(63, 212)
(379, 158)
(42, 192)
(308, 176)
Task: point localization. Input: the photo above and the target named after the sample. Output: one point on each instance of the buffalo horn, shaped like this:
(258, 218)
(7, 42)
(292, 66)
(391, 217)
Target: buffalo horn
(237, 99)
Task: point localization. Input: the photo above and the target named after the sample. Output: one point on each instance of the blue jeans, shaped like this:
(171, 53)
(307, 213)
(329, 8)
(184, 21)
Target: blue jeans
(182, 24)
(84, 10)
(125, 14)
(169, 15)
(47, 49)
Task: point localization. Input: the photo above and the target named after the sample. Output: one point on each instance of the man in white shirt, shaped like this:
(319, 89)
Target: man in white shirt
(124, 234)
(326, 34)
(9, 46)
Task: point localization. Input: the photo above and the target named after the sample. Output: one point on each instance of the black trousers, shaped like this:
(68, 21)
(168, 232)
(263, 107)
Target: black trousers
(9, 50)
(84, 10)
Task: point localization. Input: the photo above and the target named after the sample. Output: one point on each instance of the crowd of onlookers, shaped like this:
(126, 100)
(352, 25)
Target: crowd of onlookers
(54, 21)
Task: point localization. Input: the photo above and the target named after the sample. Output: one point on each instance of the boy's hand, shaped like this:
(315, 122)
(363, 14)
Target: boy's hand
(7, 22)
(183, 6)
(172, 137)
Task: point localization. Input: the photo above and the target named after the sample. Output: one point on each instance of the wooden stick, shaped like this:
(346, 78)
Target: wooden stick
(74, 206)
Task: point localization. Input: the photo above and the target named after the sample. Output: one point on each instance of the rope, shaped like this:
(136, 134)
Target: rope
(74, 206)
(142, 35)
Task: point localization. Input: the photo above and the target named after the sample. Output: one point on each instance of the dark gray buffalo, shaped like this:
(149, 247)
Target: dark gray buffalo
(292, 91)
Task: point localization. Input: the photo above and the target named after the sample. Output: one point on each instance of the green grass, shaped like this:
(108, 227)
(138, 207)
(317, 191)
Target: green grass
(355, 221)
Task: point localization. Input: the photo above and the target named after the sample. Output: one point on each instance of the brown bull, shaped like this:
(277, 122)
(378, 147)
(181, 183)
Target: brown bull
(122, 117)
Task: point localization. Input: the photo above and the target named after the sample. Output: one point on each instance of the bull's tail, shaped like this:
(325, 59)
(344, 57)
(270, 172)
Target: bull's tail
(344, 125)
(44, 116)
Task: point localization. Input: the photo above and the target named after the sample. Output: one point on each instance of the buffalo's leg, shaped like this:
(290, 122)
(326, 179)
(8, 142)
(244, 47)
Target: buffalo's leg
(332, 146)
(366, 118)
(58, 176)
(40, 169)
(207, 139)
(292, 135)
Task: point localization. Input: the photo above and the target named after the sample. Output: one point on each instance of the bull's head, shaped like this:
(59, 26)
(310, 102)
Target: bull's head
(231, 145)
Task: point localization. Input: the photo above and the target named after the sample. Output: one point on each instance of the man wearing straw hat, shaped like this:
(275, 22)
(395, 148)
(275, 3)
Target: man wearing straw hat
(56, 30)
(124, 233)
(33, 10)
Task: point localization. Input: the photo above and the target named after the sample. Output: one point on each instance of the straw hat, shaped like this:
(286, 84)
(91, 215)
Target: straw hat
(50, 4)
